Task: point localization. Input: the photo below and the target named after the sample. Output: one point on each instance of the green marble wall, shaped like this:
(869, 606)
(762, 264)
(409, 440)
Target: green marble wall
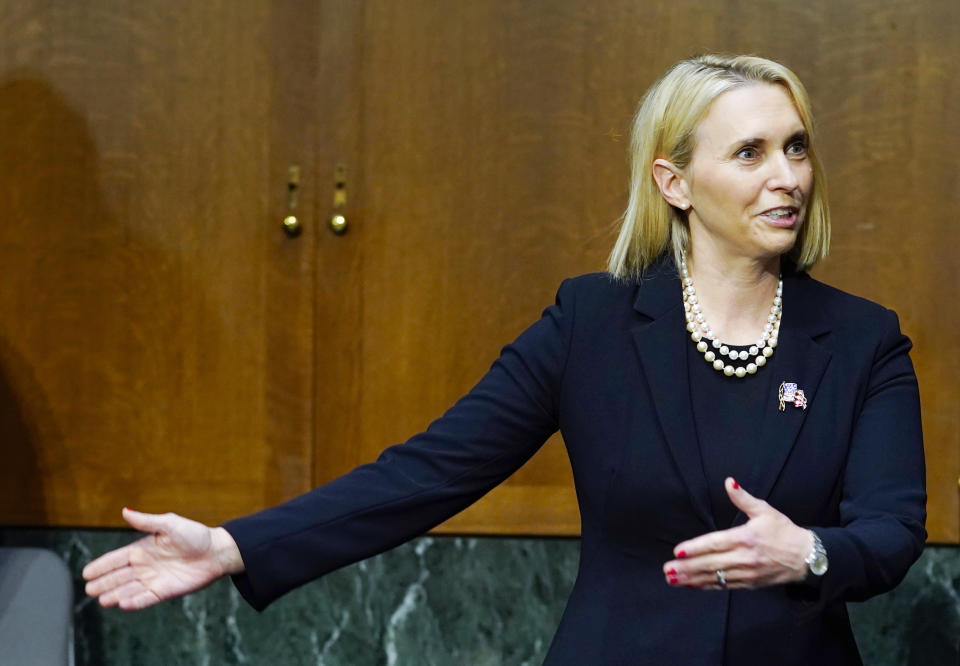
(437, 600)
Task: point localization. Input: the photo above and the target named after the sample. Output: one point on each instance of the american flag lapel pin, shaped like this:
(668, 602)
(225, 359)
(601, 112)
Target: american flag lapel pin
(788, 392)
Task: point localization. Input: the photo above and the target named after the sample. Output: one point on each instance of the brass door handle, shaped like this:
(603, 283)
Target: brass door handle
(338, 221)
(338, 224)
(291, 225)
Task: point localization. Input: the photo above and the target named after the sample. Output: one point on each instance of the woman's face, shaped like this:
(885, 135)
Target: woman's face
(749, 178)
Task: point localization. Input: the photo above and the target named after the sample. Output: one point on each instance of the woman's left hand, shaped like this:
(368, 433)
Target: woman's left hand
(769, 549)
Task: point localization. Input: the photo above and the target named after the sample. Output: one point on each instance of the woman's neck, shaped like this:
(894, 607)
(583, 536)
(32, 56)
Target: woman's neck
(735, 295)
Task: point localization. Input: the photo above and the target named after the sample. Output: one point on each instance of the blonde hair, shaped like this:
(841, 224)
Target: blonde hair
(664, 126)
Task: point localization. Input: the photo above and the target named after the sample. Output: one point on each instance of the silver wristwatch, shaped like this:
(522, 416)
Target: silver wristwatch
(817, 559)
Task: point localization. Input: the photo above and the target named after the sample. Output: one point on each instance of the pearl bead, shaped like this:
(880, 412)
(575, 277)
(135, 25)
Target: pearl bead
(693, 299)
(690, 326)
(702, 347)
(695, 336)
(768, 352)
(699, 317)
(761, 361)
(696, 308)
(734, 354)
(690, 290)
(777, 300)
(773, 343)
(690, 316)
(743, 355)
(710, 356)
(724, 350)
(752, 368)
(768, 327)
(740, 372)
(771, 318)
(728, 370)
(765, 336)
(718, 364)
(687, 281)
(716, 344)
(753, 350)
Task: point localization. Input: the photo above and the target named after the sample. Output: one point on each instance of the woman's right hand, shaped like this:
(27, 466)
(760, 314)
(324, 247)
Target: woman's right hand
(177, 557)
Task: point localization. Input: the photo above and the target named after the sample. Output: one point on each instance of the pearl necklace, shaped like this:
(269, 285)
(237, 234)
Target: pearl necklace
(700, 332)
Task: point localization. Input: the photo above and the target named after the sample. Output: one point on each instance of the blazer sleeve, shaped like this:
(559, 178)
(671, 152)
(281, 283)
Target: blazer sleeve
(883, 505)
(479, 442)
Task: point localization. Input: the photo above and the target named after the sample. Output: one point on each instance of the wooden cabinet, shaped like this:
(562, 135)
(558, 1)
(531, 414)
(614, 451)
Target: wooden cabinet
(156, 344)
(164, 343)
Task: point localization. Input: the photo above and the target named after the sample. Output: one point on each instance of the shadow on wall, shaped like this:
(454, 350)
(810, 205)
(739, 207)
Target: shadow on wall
(21, 479)
(48, 188)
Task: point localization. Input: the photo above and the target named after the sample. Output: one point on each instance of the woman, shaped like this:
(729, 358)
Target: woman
(706, 356)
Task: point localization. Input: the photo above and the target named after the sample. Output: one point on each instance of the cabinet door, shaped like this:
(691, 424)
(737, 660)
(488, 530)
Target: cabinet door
(486, 150)
(485, 171)
(155, 344)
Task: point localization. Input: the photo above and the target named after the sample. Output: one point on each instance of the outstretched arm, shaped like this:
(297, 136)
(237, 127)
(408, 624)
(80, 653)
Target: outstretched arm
(479, 442)
(178, 556)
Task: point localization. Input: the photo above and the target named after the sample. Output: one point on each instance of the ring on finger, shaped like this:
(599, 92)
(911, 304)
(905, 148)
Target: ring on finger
(721, 578)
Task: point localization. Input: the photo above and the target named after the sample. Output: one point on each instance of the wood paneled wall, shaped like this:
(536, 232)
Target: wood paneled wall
(157, 332)
(165, 345)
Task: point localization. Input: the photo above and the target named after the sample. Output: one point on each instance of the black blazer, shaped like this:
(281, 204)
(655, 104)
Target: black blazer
(607, 365)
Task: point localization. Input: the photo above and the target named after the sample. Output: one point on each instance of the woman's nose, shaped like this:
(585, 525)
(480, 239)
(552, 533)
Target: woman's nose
(784, 173)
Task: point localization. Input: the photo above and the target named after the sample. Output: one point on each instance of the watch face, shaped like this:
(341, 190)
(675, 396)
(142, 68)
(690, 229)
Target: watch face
(819, 565)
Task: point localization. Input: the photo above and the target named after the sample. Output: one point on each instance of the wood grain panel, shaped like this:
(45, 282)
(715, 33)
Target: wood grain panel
(493, 140)
(340, 279)
(151, 294)
(164, 345)
(887, 95)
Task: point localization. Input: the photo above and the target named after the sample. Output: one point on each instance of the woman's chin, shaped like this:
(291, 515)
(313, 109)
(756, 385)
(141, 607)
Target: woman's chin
(780, 240)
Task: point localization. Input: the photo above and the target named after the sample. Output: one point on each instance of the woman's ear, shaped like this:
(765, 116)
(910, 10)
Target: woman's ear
(672, 184)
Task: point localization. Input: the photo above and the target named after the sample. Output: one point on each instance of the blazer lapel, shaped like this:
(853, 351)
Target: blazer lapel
(800, 360)
(661, 346)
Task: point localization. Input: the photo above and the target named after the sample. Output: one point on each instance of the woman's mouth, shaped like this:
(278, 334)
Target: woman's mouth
(783, 217)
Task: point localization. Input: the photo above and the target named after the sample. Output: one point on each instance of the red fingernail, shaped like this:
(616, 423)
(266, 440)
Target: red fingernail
(672, 581)
(672, 572)
(682, 554)
(735, 484)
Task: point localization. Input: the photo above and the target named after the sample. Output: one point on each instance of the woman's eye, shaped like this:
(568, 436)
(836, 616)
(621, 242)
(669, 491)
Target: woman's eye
(747, 153)
(797, 148)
